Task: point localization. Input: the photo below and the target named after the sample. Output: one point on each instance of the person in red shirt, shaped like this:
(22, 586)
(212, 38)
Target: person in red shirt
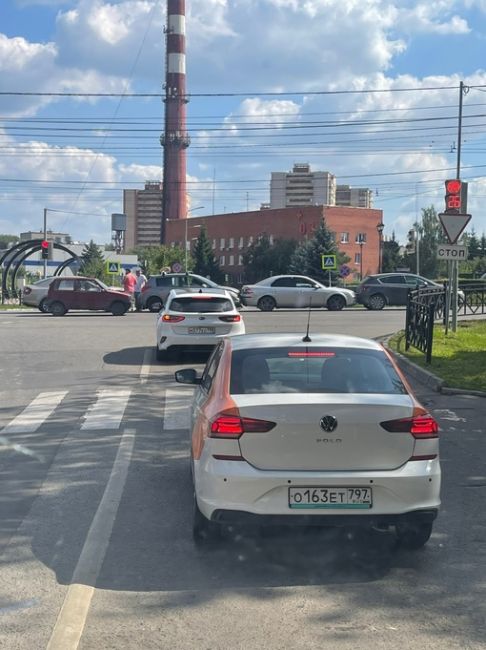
(129, 282)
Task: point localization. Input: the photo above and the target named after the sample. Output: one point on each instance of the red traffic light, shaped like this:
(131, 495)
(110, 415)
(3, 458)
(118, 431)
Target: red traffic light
(45, 244)
(453, 186)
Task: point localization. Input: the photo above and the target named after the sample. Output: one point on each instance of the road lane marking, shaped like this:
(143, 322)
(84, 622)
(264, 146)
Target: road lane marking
(35, 413)
(177, 411)
(70, 623)
(145, 369)
(107, 412)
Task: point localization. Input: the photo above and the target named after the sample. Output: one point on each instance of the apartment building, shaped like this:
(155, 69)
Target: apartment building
(302, 187)
(144, 215)
(354, 197)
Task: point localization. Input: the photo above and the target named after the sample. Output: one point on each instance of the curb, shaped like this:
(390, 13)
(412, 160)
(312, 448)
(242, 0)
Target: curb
(428, 378)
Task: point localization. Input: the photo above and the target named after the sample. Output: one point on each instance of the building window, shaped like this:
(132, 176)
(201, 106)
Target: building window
(241, 243)
(214, 245)
(345, 238)
(240, 260)
(221, 244)
(222, 260)
(231, 243)
(231, 260)
(357, 258)
(361, 238)
(250, 241)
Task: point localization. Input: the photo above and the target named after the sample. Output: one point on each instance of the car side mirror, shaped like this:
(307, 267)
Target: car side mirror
(187, 376)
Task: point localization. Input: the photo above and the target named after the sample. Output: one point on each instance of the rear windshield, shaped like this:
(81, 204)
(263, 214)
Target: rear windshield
(313, 370)
(199, 305)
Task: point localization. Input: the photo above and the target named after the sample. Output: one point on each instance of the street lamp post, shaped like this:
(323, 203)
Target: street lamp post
(199, 207)
(380, 227)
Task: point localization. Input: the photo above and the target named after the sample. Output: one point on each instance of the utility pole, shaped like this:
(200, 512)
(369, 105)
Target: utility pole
(454, 265)
(45, 237)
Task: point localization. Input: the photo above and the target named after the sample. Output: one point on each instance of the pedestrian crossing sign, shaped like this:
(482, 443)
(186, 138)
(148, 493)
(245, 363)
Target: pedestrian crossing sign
(328, 262)
(113, 268)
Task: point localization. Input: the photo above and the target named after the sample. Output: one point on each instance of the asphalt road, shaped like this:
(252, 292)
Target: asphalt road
(95, 513)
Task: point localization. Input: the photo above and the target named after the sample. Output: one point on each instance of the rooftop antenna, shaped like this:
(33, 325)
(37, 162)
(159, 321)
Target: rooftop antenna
(307, 338)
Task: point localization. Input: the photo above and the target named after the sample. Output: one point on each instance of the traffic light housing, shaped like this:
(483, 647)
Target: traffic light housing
(45, 249)
(410, 246)
(455, 197)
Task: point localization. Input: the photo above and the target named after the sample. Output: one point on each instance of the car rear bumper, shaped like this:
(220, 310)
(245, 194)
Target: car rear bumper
(193, 341)
(236, 489)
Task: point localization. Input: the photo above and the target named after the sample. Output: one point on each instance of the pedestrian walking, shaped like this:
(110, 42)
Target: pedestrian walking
(140, 282)
(129, 282)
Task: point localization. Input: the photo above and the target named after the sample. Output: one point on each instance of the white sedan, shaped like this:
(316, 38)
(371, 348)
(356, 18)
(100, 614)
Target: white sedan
(319, 430)
(295, 291)
(196, 320)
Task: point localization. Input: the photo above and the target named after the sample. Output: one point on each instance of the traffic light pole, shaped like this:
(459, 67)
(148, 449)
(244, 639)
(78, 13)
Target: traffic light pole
(45, 237)
(454, 265)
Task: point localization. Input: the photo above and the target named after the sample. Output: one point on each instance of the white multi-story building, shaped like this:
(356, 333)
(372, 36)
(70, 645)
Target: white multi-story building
(354, 197)
(144, 215)
(302, 186)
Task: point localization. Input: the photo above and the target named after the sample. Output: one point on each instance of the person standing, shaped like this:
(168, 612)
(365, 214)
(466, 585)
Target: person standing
(140, 282)
(129, 282)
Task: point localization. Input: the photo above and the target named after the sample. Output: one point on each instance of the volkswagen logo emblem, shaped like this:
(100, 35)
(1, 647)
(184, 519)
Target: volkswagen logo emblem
(328, 423)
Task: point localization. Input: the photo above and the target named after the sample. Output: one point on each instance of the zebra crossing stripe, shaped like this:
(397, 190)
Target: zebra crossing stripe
(177, 411)
(107, 412)
(35, 413)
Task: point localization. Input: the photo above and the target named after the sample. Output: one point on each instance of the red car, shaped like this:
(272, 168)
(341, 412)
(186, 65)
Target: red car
(85, 293)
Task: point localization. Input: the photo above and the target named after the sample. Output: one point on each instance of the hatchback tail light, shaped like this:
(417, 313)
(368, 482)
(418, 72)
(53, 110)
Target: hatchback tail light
(230, 319)
(420, 426)
(170, 318)
(227, 425)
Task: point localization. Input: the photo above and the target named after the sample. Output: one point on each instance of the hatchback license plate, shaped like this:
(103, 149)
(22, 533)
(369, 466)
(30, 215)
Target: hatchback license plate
(202, 330)
(330, 497)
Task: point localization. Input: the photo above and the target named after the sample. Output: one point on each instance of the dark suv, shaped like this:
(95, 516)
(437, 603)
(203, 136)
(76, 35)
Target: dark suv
(158, 287)
(382, 289)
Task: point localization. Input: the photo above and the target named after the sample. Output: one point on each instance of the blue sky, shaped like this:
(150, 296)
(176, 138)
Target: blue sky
(74, 155)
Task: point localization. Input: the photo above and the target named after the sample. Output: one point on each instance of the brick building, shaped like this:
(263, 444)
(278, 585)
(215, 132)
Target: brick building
(144, 215)
(231, 234)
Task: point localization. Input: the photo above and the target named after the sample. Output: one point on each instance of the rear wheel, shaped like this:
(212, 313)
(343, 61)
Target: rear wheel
(336, 303)
(267, 303)
(376, 301)
(203, 530)
(57, 309)
(118, 308)
(42, 306)
(413, 535)
(155, 304)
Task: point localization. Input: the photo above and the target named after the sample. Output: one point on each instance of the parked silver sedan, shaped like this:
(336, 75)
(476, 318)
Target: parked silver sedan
(35, 294)
(296, 291)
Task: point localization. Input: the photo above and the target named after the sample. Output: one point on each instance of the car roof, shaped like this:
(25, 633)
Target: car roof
(272, 340)
(184, 293)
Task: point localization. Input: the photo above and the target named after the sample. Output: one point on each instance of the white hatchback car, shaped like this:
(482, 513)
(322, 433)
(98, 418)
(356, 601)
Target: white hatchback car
(196, 320)
(288, 430)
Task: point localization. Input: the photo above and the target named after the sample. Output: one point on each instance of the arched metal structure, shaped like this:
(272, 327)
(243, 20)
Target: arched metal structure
(17, 254)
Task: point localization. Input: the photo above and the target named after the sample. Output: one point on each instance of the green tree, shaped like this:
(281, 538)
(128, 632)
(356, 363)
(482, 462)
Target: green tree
(7, 240)
(307, 256)
(153, 259)
(391, 258)
(482, 246)
(204, 261)
(473, 244)
(431, 235)
(92, 261)
(263, 259)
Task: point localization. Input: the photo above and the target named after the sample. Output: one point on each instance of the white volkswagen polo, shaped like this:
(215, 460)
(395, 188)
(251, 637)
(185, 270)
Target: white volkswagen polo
(289, 430)
(196, 320)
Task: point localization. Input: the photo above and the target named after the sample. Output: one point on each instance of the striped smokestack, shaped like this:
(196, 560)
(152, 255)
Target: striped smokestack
(175, 139)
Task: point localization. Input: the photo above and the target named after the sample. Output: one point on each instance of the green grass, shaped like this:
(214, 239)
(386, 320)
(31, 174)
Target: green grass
(458, 358)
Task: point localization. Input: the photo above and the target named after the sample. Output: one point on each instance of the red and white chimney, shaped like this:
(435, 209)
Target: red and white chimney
(175, 139)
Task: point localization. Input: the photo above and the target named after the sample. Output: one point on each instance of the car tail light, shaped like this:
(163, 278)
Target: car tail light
(170, 318)
(233, 426)
(420, 426)
(230, 319)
